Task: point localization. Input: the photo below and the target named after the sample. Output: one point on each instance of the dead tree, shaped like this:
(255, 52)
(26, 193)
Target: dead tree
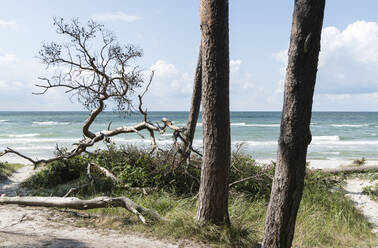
(195, 106)
(295, 135)
(76, 203)
(213, 193)
(97, 79)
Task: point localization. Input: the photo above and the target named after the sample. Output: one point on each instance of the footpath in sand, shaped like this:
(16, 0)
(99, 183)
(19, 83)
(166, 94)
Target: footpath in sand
(368, 207)
(40, 227)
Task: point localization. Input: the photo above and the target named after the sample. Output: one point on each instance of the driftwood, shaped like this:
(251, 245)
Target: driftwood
(354, 169)
(76, 203)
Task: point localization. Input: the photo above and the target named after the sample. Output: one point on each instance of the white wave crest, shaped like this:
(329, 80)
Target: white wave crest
(243, 124)
(167, 134)
(326, 138)
(50, 123)
(23, 135)
(38, 140)
(256, 143)
(349, 125)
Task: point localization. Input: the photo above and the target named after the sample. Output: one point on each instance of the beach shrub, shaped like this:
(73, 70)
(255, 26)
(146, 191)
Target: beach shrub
(359, 162)
(133, 167)
(136, 167)
(6, 169)
(58, 172)
(259, 177)
(371, 191)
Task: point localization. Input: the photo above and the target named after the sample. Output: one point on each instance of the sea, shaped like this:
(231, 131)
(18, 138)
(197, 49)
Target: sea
(336, 135)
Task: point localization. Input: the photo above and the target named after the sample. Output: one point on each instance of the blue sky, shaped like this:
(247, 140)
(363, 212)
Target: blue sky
(168, 32)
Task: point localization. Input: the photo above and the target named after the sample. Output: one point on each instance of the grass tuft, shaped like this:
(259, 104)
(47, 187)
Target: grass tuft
(7, 169)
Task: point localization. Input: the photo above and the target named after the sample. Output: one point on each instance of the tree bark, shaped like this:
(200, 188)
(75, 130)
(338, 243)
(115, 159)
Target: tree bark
(195, 105)
(213, 193)
(295, 135)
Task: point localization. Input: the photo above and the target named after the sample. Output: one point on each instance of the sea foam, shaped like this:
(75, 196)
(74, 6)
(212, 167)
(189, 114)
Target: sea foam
(349, 125)
(23, 135)
(49, 123)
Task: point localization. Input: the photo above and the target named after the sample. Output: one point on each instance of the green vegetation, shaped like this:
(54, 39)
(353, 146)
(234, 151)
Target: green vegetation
(326, 218)
(7, 169)
(359, 162)
(371, 191)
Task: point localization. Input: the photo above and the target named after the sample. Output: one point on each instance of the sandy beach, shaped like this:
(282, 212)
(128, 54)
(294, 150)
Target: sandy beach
(353, 190)
(325, 164)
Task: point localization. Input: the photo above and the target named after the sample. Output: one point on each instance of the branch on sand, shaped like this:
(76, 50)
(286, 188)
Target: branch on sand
(76, 203)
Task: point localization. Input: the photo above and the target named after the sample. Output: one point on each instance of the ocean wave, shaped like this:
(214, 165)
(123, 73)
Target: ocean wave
(37, 140)
(349, 125)
(330, 153)
(243, 124)
(347, 143)
(22, 135)
(33, 148)
(263, 125)
(3, 121)
(50, 123)
(326, 138)
(166, 134)
(256, 143)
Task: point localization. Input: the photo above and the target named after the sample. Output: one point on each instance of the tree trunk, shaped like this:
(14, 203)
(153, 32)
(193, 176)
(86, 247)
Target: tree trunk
(295, 134)
(213, 193)
(195, 105)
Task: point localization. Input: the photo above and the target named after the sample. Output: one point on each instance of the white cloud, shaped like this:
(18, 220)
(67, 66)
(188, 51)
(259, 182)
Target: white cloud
(171, 89)
(348, 61)
(115, 16)
(8, 58)
(163, 69)
(8, 24)
(17, 79)
(235, 66)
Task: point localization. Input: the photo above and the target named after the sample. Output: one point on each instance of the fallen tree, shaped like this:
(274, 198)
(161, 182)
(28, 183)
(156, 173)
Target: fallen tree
(98, 79)
(76, 203)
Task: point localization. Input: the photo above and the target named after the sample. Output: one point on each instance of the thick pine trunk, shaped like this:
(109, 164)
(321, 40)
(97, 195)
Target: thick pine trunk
(195, 105)
(295, 134)
(213, 194)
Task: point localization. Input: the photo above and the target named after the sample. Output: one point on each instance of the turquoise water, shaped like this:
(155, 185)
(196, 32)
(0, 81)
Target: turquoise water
(336, 135)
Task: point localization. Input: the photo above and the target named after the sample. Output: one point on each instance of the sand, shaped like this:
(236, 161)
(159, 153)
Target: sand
(43, 227)
(368, 207)
(324, 164)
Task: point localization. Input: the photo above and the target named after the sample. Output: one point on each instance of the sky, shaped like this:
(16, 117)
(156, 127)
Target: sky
(168, 31)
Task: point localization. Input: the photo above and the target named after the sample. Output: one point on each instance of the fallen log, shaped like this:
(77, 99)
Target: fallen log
(354, 169)
(76, 203)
